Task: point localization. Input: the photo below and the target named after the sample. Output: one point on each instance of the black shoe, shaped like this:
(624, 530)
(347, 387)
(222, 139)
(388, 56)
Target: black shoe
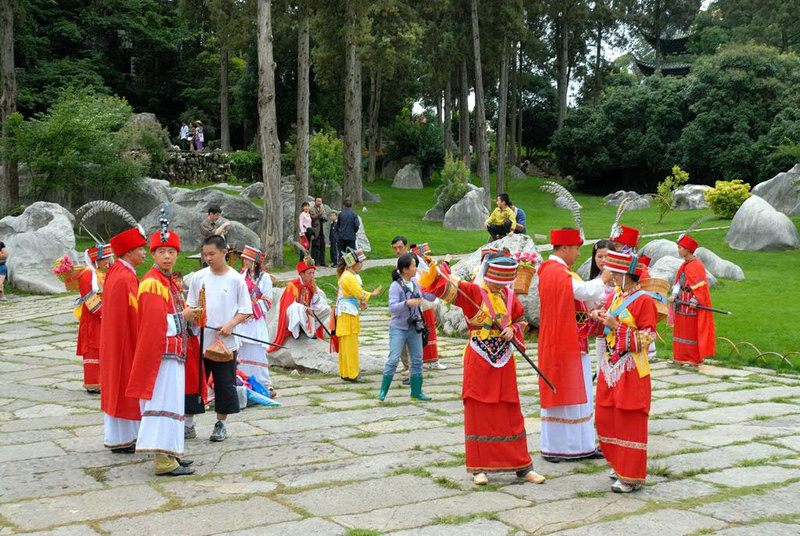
(551, 459)
(184, 462)
(130, 449)
(359, 379)
(407, 381)
(179, 471)
(596, 455)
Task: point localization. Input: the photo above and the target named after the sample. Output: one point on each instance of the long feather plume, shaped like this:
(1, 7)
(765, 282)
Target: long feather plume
(697, 222)
(615, 227)
(573, 206)
(92, 208)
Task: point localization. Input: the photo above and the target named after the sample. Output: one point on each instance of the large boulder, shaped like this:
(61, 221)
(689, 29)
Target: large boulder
(34, 240)
(718, 266)
(467, 267)
(408, 178)
(362, 242)
(450, 318)
(186, 222)
(517, 173)
(234, 207)
(658, 248)
(254, 191)
(469, 214)
(757, 226)
(690, 197)
(667, 268)
(368, 196)
(782, 191)
(313, 355)
(434, 214)
(148, 194)
(636, 202)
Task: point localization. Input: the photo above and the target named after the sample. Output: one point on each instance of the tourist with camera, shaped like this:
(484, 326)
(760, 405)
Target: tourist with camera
(406, 328)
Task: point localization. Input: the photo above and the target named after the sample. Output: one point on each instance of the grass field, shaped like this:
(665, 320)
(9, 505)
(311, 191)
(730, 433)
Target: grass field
(765, 305)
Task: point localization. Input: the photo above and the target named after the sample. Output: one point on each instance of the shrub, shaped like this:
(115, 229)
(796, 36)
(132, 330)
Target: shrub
(245, 166)
(726, 197)
(666, 190)
(421, 140)
(455, 183)
(150, 144)
(325, 162)
(79, 144)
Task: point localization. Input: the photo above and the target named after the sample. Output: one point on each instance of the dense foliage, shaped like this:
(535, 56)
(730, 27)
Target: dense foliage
(325, 156)
(420, 139)
(455, 183)
(666, 190)
(726, 197)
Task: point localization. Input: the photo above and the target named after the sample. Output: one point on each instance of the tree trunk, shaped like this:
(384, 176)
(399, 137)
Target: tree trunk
(463, 115)
(374, 113)
(351, 185)
(272, 218)
(512, 130)
(448, 114)
(598, 62)
(9, 182)
(501, 121)
(482, 147)
(563, 72)
(303, 100)
(224, 116)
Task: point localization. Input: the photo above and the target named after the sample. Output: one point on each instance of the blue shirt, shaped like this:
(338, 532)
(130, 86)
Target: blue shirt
(521, 220)
(399, 292)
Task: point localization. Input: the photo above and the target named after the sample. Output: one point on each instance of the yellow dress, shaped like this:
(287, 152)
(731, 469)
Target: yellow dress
(348, 325)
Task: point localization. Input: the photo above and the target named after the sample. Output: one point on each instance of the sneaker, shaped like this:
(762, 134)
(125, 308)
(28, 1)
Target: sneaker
(189, 432)
(219, 433)
(613, 475)
(621, 487)
(434, 365)
(480, 479)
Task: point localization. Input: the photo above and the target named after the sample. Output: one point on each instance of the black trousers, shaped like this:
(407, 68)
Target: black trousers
(318, 248)
(334, 252)
(226, 401)
(499, 231)
(344, 244)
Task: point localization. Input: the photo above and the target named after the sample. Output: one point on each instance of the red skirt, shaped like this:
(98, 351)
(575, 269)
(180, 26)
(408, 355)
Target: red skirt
(91, 368)
(495, 439)
(684, 337)
(430, 352)
(193, 371)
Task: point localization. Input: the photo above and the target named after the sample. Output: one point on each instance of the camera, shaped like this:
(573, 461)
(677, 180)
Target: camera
(417, 323)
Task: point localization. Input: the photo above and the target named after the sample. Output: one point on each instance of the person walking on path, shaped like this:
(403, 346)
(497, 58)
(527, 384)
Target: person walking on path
(118, 336)
(345, 322)
(494, 428)
(406, 326)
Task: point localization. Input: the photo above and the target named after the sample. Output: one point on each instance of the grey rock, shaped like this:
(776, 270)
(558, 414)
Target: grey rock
(186, 222)
(434, 214)
(34, 240)
(313, 355)
(408, 178)
(234, 207)
(757, 226)
(369, 197)
(782, 191)
(146, 195)
(467, 267)
(362, 241)
(667, 268)
(517, 173)
(469, 214)
(450, 318)
(637, 202)
(531, 303)
(658, 248)
(719, 266)
(690, 197)
(254, 191)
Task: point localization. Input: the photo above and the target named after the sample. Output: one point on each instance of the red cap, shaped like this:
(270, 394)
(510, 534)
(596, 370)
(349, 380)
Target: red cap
(565, 237)
(171, 240)
(127, 240)
(302, 267)
(688, 242)
(644, 259)
(628, 236)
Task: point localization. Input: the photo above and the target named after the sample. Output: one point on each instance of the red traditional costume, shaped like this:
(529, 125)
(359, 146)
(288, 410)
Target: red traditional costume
(430, 352)
(157, 376)
(306, 296)
(623, 385)
(118, 342)
(694, 335)
(567, 424)
(495, 437)
(89, 312)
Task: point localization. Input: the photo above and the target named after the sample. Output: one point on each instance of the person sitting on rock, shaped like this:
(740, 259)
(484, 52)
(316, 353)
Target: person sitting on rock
(302, 307)
(503, 220)
(3, 270)
(521, 219)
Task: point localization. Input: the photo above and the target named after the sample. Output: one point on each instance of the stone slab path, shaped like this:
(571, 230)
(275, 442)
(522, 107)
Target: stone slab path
(723, 453)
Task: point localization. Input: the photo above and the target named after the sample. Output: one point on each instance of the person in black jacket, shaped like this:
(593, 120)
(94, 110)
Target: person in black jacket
(348, 227)
(334, 238)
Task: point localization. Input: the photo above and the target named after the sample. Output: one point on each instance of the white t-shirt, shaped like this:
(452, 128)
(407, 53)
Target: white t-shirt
(226, 295)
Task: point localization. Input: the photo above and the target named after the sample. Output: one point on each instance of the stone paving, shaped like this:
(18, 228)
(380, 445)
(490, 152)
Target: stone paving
(723, 451)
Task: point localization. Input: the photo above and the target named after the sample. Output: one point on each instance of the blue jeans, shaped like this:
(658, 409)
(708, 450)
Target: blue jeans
(397, 339)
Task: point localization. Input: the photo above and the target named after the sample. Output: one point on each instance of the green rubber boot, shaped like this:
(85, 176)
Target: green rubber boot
(416, 388)
(385, 384)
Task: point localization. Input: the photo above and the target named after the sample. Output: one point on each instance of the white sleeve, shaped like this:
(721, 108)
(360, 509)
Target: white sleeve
(244, 304)
(193, 299)
(593, 290)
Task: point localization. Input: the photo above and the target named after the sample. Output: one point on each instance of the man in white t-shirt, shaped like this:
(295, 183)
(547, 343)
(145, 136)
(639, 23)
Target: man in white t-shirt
(227, 305)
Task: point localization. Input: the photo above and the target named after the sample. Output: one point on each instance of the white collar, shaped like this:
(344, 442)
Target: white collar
(558, 259)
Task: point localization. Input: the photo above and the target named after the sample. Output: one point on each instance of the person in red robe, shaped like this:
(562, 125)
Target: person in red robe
(694, 334)
(301, 298)
(89, 313)
(157, 376)
(495, 436)
(567, 415)
(623, 386)
(118, 342)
